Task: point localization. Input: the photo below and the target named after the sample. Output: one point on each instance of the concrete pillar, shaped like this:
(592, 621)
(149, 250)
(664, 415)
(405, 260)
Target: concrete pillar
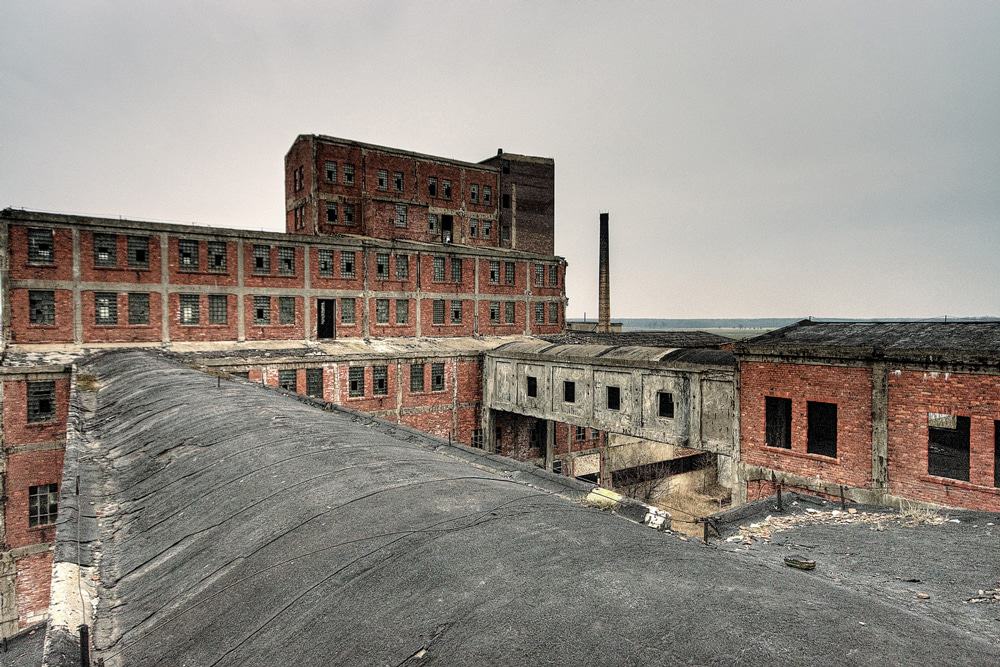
(880, 427)
(550, 443)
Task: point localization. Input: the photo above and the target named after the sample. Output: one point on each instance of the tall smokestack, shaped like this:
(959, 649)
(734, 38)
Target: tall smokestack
(604, 295)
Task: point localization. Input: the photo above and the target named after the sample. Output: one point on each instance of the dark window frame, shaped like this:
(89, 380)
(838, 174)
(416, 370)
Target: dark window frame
(665, 404)
(613, 398)
(41, 251)
(40, 401)
(820, 419)
(778, 422)
(43, 505)
(569, 391)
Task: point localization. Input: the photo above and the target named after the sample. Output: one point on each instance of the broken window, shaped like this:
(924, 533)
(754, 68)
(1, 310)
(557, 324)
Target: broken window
(138, 308)
(487, 194)
(348, 174)
(509, 312)
(105, 250)
(217, 256)
(474, 193)
(456, 312)
(262, 310)
(218, 309)
(331, 172)
(553, 275)
(402, 311)
(614, 396)
(299, 216)
(821, 419)
(665, 404)
(494, 272)
(506, 200)
(286, 379)
(298, 179)
(314, 382)
(439, 269)
(397, 181)
(331, 212)
(189, 307)
(437, 377)
(446, 189)
(383, 179)
(187, 255)
(416, 377)
(381, 311)
(553, 312)
(402, 267)
(505, 166)
(286, 310)
(356, 381)
(40, 246)
(325, 263)
(539, 274)
(539, 313)
(432, 222)
(347, 311)
(138, 252)
(286, 261)
(380, 380)
(43, 504)
(105, 308)
(494, 312)
(346, 264)
(382, 265)
(262, 259)
(42, 307)
(348, 214)
(456, 269)
(477, 438)
(948, 446)
(509, 272)
(505, 233)
(581, 433)
(432, 186)
(532, 386)
(569, 391)
(778, 422)
(473, 225)
(487, 228)
(41, 401)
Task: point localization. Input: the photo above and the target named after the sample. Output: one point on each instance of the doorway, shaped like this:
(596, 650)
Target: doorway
(326, 317)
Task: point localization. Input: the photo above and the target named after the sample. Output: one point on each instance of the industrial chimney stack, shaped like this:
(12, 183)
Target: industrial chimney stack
(604, 296)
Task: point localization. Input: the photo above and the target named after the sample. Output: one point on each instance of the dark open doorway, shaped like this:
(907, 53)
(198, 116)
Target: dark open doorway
(447, 228)
(326, 317)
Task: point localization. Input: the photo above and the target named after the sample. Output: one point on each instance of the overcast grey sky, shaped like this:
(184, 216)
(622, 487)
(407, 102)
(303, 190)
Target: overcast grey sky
(758, 159)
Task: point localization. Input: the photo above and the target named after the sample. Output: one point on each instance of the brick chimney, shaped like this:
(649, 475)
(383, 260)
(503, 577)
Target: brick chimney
(604, 290)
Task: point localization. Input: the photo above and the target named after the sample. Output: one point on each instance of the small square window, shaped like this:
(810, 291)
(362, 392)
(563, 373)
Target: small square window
(416, 377)
(138, 308)
(105, 308)
(402, 311)
(614, 395)
(383, 179)
(287, 379)
(381, 311)
(382, 265)
(218, 309)
(42, 307)
(217, 260)
(138, 252)
(532, 386)
(286, 310)
(286, 261)
(262, 259)
(189, 309)
(105, 250)
(43, 504)
(400, 220)
(41, 401)
(437, 377)
(187, 255)
(356, 381)
(665, 404)
(569, 391)
(380, 380)
(40, 246)
(456, 312)
(346, 264)
(347, 311)
(262, 310)
(325, 263)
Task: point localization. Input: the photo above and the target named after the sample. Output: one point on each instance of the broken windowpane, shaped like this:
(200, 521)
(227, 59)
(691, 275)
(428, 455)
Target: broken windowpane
(381, 311)
(446, 189)
(778, 422)
(539, 313)
(286, 379)
(42, 307)
(397, 181)
(105, 250)
(487, 194)
(218, 309)
(432, 222)
(331, 172)
(383, 179)
(581, 433)
(474, 193)
(509, 312)
(402, 311)
(43, 504)
(189, 307)
(416, 377)
(665, 404)
(138, 308)
(138, 252)
(41, 400)
(400, 215)
(380, 380)
(325, 263)
(40, 246)
(356, 381)
(286, 310)
(569, 391)
(487, 228)
(348, 214)
(432, 186)
(509, 272)
(314, 382)
(382, 265)
(262, 310)
(532, 386)
(286, 261)
(438, 315)
(614, 395)
(553, 312)
(348, 174)
(346, 263)
(187, 255)
(105, 308)
(456, 269)
(217, 256)
(473, 227)
(821, 419)
(402, 267)
(347, 311)
(456, 312)
(948, 446)
(494, 312)
(494, 271)
(331, 212)
(262, 259)
(437, 377)
(439, 269)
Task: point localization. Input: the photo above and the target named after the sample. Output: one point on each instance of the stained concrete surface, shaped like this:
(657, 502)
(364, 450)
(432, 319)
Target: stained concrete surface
(243, 527)
(23, 649)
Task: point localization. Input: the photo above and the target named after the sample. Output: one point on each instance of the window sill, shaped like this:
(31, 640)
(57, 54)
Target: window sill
(198, 272)
(124, 326)
(42, 424)
(959, 484)
(203, 326)
(41, 528)
(803, 455)
(35, 325)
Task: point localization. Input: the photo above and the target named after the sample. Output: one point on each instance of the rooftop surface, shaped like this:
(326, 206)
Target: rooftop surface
(241, 526)
(23, 649)
(671, 339)
(542, 347)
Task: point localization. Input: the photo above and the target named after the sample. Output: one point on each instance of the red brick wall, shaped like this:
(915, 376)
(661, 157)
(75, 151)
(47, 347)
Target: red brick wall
(392, 329)
(26, 469)
(23, 331)
(849, 388)
(274, 331)
(300, 154)
(273, 279)
(392, 284)
(122, 273)
(123, 331)
(62, 256)
(336, 282)
(913, 394)
(31, 587)
(428, 328)
(201, 276)
(502, 329)
(502, 288)
(17, 430)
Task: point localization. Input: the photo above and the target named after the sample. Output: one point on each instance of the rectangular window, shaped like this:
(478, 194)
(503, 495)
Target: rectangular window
(474, 193)
(581, 433)
(438, 314)
(397, 181)
(553, 312)
(138, 252)
(187, 255)
(539, 313)
(41, 401)
(346, 264)
(43, 504)
(509, 312)
(432, 222)
(381, 311)
(331, 172)
(439, 269)
(473, 227)
(778, 422)
(299, 215)
(494, 312)
(217, 256)
(347, 311)
(325, 263)
(42, 307)
(432, 186)
(40, 246)
(532, 386)
(948, 446)
(822, 428)
(262, 259)
(402, 267)
(262, 310)
(665, 404)
(509, 272)
(477, 438)
(416, 377)
(400, 215)
(286, 261)
(348, 214)
(286, 379)
(382, 265)
(138, 308)
(314, 382)
(105, 250)
(569, 391)
(356, 381)
(553, 275)
(402, 311)
(494, 272)
(298, 179)
(437, 377)
(614, 396)
(487, 228)
(331, 212)
(218, 309)
(380, 380)
(383, 179)
(189, 309)
(487, 194)
(456, 269)
(506, 200)
(286, 310)
(456, 312)
(446, 189)
(105, 308)
(505, 233)
(348, 174)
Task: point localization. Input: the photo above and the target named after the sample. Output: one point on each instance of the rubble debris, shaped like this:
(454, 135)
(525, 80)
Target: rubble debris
(800, 562)
(991, 596)
(923, 596)
(763, 530)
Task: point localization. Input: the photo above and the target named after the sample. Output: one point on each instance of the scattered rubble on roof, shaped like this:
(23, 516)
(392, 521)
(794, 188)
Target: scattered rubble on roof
(763, 530)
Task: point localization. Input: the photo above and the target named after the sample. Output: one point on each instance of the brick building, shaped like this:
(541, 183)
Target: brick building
(890, 411)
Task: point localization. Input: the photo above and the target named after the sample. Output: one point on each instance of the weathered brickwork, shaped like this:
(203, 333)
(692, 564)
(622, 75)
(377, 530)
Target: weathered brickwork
(147, 330)
(25, 470)
(17, 430)
(32, 583)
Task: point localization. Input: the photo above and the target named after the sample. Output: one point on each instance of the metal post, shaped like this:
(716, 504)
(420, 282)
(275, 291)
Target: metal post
(84, 646)
(781, 507)
(843, 503)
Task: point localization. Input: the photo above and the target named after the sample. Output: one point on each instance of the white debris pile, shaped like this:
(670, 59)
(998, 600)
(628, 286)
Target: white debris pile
(762, 530)
(992, 595)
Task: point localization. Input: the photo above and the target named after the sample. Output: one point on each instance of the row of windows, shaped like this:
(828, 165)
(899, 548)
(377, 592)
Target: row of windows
(439, 272)
(382, 311)
(189, 257)
(612, 396)
(380, 375)
(455, 311)
(821, 419)
(344, 174)
(553, 274)
(105, 253)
